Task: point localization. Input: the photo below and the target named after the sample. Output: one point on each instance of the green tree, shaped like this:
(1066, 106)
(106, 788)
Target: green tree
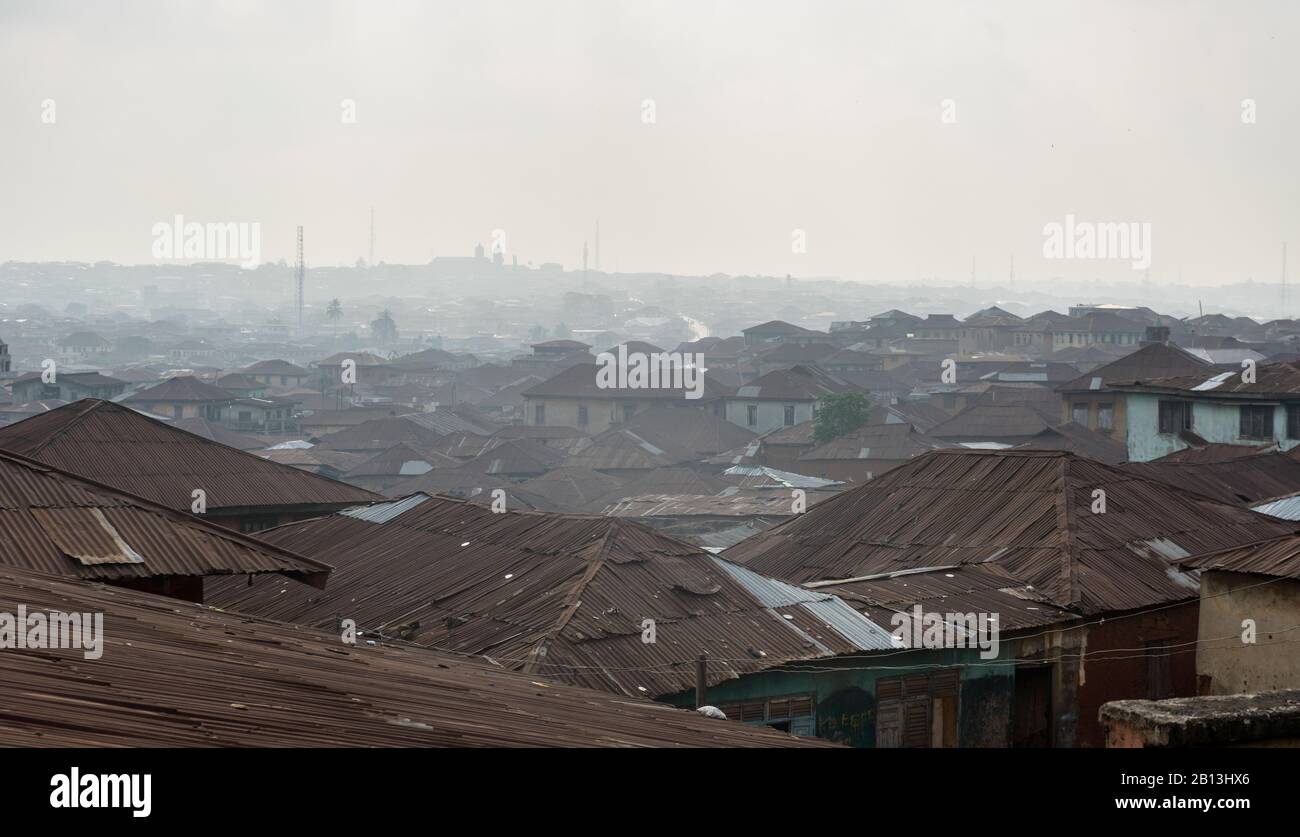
(840, 414)
(384, 329)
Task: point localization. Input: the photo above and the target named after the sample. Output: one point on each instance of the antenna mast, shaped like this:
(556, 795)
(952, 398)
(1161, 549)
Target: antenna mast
(301, 275)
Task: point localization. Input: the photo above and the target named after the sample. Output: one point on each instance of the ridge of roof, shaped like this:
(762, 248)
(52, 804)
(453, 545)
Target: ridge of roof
(193, 438)
(181, 518)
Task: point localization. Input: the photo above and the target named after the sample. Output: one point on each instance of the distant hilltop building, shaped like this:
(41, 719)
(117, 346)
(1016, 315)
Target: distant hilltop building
(4, 358)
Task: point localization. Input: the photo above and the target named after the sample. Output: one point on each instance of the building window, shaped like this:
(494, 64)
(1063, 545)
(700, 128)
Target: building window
(582, 416)
(1105, 417)
(1160, 679)
(789, 415)
(918, 710)
(794, 714)
(1293, 421)
(1175, 416)
(1080, 414)
(629, 410)
(1256, 422)
(539, 414)
(751, 415)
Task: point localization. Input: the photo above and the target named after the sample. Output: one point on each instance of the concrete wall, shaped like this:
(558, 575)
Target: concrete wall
(1093, 399)
(771, 414)
(1111, 670)
(602, 414)
(1214, 421)
(845, 695)
(1226, 665)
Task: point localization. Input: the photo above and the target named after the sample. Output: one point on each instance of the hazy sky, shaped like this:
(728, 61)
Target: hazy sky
(770, 117)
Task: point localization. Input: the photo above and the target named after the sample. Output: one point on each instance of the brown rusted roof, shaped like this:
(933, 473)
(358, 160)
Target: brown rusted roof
(183, 388)
(620, 449)
(515, 458)
(462, 444)
(698, 432)
(985, 588)
(750, 503)
(62, 524)
(402, 460)
(454, 482)
(1202, 451)
(669, 481)
(579, 381)
(877, 441)
(177, 674)
(276, 367)
(1029, 512)
(1076, 438)
(798, 383)
(1155, 361)
(563, 595)
(1271, 380)
(994, 421)
(217, 433)
(572, 489)
(1277, 557)
(1244, 480)
(313, 459)
(380, 434)
(115, 445)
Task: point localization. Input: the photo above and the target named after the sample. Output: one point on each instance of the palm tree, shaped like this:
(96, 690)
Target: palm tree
(335, 313)
(384, 329)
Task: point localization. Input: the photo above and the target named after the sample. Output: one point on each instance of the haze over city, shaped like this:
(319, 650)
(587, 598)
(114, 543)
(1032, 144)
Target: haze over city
(824, 117)
(897, 376)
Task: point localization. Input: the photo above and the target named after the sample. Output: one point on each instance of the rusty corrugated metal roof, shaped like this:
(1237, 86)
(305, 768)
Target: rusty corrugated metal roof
(1028, 512)
(1277, 557)
(1247, 479)
(984, 588)
(115, 445)
(562, 595)
(55, 522)
(176, 674)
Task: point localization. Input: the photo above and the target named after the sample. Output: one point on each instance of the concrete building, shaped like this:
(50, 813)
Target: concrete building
(782, 398)
(574, 398)
(1250, 605)
(1223, 407)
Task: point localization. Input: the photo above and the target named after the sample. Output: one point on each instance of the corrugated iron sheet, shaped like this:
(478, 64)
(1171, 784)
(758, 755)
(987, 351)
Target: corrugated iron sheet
(1247, 479)
(86, 535)
(384, 512)
(176, 674)
(1279, 557)
(1028, 512)
(1288, 508)
(115, 445)
(57, 523)
(562, 595)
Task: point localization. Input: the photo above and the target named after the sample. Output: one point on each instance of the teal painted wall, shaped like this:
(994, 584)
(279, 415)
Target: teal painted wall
(845, 690)
(1214, 421)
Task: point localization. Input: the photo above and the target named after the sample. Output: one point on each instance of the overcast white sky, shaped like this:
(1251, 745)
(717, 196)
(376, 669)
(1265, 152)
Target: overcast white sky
(771, 116)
